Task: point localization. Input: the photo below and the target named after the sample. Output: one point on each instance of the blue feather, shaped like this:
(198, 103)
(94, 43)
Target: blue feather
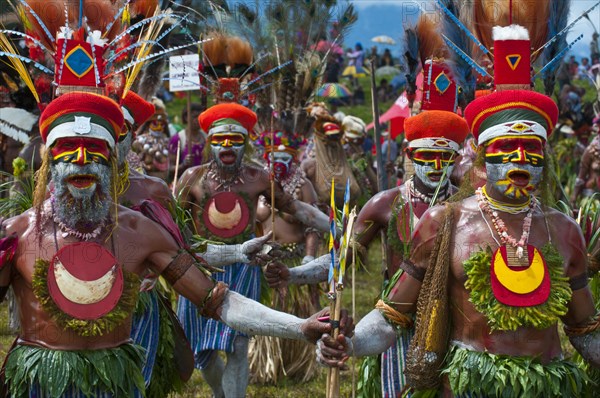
(411, 55)
(452, 16)
(33, 39)
(27, 61)
(465, 57)
(38, 19)
(116, 17)
(462, 64)
(270, 71)
(550, 66)
(557, 21)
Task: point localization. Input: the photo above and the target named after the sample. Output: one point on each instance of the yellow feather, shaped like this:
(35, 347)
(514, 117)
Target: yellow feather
(18, 65)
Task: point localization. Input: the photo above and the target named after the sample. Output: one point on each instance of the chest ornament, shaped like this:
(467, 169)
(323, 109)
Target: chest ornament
(226, 217)
(513, 296)
(84, 289)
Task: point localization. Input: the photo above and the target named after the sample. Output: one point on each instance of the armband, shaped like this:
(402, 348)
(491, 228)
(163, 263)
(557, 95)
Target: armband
(578, 282)
(179, 266)
(395, 318)
(591, 326)
(213, 301)
(311, 230)
(411, 269)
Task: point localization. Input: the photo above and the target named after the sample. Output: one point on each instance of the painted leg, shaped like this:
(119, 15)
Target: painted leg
(213, 374)
(235, 377)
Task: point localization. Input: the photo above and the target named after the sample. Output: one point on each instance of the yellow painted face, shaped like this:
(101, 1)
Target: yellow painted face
(514, 164)
(226, 140)
(520, 149)
(80, 151)
(430, 164)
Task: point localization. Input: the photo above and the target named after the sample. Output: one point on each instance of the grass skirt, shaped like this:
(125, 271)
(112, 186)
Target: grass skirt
(272, 358)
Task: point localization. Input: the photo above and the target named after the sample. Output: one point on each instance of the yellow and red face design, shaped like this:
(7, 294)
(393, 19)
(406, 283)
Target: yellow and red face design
(227, 149)
(431, 163)
(158, 121)
(514, 164)
(80, 151)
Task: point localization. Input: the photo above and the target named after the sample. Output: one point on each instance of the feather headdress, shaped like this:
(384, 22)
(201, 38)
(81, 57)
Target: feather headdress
(533, 16)
(455, 29)
(94, 48)
(296, 39)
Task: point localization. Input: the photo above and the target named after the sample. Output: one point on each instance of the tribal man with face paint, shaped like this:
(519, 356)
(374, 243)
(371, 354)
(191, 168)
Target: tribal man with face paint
(154, 318)
(434, 138)
(299, 244)
(76, 259)
(223, 196)
(491, 276)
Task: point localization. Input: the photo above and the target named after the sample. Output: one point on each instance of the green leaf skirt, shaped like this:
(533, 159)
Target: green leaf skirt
(90, 373)
(482, 374)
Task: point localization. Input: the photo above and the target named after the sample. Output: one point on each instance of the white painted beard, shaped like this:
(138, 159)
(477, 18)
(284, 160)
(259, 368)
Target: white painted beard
(78, 208)
(228, 167)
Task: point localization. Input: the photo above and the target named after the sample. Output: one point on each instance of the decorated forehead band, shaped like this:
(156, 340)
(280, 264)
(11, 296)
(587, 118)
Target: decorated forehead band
(434, 143)
(516, 128)
(81, 126)
(228, 128)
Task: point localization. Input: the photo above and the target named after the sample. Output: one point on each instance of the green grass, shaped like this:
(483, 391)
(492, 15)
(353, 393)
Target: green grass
(368, 285)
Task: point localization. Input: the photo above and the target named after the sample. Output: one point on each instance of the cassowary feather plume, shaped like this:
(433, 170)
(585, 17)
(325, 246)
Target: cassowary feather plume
(411, 56)
(531, 15)
(461, 69)
(558, 18)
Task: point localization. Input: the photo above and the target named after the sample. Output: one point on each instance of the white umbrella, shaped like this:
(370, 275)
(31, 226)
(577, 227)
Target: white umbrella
(383, 39)
(386, 71)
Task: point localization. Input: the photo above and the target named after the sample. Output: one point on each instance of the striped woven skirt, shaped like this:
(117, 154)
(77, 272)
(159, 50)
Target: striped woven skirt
(207, 335)
(145, 329)
(392, 365)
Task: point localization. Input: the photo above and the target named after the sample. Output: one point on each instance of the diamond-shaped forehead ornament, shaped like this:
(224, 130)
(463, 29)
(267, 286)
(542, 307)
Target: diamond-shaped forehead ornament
(79, 61)
(442, 83)
(519, 127)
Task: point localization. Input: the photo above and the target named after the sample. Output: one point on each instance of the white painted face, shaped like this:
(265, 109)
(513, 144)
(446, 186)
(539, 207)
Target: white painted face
(514, 164)
(228, 150)
(430, 164)
(282, 162)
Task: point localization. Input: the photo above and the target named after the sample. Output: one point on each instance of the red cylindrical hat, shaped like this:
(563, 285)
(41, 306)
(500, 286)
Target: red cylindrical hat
(81, 114)
(439, 89)
(136, 110)
(232, 111)
(512, 54)
(80, 65)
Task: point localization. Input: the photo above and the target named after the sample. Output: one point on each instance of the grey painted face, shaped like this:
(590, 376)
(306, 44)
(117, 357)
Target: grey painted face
(430, 176)
(514, 180)
(229, 158)
(123, 148)
(77, 206)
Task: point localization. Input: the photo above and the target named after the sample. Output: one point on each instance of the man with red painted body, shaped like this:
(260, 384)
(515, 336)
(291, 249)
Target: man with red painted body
(222, 196)
(490, 276)
(434, 137)
(75, 261)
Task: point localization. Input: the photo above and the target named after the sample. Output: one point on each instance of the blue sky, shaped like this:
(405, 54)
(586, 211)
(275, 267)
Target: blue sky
(386, 17)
